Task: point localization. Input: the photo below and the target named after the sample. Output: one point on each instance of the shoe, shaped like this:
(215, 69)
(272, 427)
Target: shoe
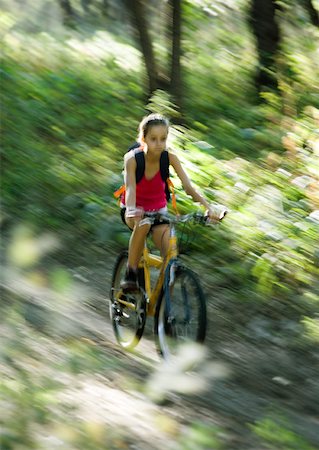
(129, 283)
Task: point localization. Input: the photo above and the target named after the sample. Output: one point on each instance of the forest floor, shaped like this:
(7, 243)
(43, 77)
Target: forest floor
(248, 389)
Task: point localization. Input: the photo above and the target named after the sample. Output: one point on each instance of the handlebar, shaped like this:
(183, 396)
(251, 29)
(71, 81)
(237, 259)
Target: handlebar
(196, 217)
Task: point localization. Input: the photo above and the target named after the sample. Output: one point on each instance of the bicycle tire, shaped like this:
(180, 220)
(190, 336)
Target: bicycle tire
(180, 316)
(128, 322)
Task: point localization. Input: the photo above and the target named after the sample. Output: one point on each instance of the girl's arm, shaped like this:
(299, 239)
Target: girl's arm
(130, 182)
(216, 213)
(187, 185)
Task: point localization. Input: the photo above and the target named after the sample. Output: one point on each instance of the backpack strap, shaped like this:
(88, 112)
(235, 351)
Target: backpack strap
(139, 158)
(164, 169)
(164, 165)
(140, 167)
(140, 164)
(169, 186)
(134, 146)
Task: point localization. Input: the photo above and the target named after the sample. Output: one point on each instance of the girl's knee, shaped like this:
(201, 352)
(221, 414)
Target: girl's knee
(130, 223)
(161, 238)
(141, 230)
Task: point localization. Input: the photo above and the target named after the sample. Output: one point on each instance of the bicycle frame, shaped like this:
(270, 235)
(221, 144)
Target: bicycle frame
(150, 260)
(129, 310)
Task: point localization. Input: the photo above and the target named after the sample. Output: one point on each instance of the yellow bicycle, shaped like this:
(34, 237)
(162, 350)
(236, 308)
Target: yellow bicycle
(175, 300)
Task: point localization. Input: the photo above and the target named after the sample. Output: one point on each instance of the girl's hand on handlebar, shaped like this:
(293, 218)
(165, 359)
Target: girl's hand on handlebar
(216, 213)
(134, 213)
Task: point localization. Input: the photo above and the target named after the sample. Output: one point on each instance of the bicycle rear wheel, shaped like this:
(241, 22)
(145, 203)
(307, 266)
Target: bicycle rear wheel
(181, 312)
(127, 311)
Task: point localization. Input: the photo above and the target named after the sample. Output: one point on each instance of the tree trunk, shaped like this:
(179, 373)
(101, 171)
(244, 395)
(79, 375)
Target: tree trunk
(86, 5)
(169, 80)
(105, 8)
(267, 35)
(68, 11)
(137, 10)
(175, 76)
(313, 13)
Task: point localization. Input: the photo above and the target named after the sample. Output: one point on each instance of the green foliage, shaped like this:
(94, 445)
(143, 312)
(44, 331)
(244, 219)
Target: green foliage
(276, 434)
(71, 104)
(160, 103)
(67, 124)
(312, 328)
(200, 436)
(64, 128)
(85, 356)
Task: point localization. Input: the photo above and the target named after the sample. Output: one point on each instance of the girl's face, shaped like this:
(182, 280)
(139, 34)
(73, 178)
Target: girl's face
(155, 138)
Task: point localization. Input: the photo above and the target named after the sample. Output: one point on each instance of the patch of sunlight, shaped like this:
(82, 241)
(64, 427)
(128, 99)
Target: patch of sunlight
(96, 403)
(35, 14)
(25, 249)
(103, 46)
(40, 49)
(196, 170)
(97, 49)
(312, 329)
(6, 22)
(13, 42)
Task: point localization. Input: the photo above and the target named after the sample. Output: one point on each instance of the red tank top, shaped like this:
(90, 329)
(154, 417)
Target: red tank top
(150, 194)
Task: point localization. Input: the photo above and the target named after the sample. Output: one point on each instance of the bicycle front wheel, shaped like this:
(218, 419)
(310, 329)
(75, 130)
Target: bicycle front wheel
(181, 312)
(127, 310)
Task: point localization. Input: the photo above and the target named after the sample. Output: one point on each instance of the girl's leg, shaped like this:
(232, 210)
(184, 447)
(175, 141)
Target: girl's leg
(135, 250)
(136, 245)
(160, 235)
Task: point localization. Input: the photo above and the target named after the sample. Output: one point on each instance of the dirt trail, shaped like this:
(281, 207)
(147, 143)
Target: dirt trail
(125, 398)
(243, 376)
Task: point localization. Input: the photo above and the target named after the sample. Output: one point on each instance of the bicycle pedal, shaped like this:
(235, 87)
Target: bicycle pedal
(120, 313)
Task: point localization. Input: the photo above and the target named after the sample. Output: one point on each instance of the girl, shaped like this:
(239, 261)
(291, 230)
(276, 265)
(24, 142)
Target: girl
(148, 194)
